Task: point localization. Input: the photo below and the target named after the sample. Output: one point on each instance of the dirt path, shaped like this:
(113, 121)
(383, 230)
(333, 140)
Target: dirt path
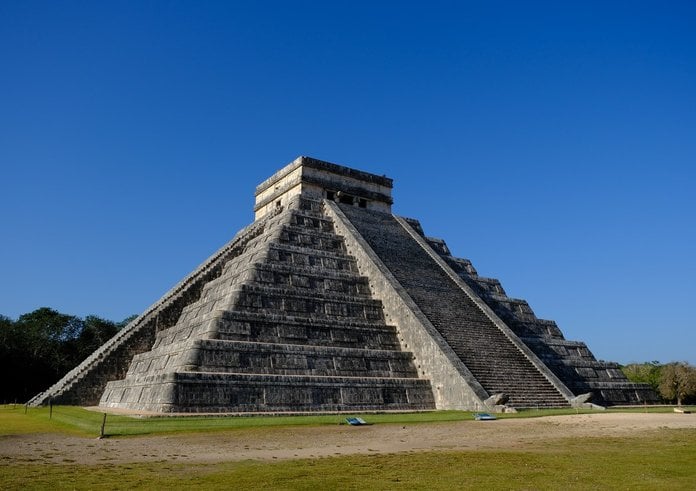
(323, 441)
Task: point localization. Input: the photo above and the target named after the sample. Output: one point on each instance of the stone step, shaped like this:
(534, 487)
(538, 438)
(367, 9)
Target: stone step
(311, 220)
(234, 269)
(293, 228)
(491, 284)
(577, 362)
(306, 204)
(314, 210)
(231, 392)
(293, 302)
(321, 332)
(312, 239)
(535, 329)
(309, 278)
(340, 296)
(214, 355)
(241, 327)
(314, 270)
(502, 298)
(304, 257)
(308, 320)
(494, 360)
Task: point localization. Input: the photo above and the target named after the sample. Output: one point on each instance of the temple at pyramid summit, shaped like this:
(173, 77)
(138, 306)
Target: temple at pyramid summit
(328, 302)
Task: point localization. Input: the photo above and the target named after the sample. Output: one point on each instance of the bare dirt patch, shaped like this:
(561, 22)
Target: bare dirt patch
(325, 441)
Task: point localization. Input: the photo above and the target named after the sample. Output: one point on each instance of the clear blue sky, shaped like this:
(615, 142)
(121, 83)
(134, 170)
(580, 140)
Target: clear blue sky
(552, 143)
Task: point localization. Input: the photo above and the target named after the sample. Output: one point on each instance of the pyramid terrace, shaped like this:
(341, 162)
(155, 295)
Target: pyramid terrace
(328, 302)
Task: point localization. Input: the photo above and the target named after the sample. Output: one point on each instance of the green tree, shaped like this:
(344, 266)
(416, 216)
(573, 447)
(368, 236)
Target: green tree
(41, 346)
(127, 321)
(51, 337)
(678, 382)
(11, 357)
(95, 332)
(646, 373)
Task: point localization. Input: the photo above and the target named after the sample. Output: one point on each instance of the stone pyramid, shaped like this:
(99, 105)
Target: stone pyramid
(329, 302)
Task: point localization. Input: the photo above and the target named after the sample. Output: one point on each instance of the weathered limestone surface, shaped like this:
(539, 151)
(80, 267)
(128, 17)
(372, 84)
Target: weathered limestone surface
(316, 179)
(289, 325)
(328, 302)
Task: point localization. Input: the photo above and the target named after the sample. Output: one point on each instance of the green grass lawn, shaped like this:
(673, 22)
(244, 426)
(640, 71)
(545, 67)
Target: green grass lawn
(665, 459)
(79, 421)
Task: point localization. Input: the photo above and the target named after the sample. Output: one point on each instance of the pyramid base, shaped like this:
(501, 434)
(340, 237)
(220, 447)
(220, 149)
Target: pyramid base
(196, 392)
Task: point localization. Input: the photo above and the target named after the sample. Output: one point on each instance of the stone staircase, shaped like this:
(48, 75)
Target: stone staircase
(571, 361)
(496, 362)
(289, 326)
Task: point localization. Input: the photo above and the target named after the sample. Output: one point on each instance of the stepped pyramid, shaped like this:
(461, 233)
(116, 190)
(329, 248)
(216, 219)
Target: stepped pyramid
(329, 302)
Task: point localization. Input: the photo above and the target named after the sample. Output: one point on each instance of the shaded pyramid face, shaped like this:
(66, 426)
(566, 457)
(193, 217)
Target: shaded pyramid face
(288, 325)
(502, 344)
(497, 362)
(571, 361)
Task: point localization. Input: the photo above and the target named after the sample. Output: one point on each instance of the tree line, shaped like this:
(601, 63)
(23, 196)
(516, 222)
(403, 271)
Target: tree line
(675, 382)
(38, 348)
